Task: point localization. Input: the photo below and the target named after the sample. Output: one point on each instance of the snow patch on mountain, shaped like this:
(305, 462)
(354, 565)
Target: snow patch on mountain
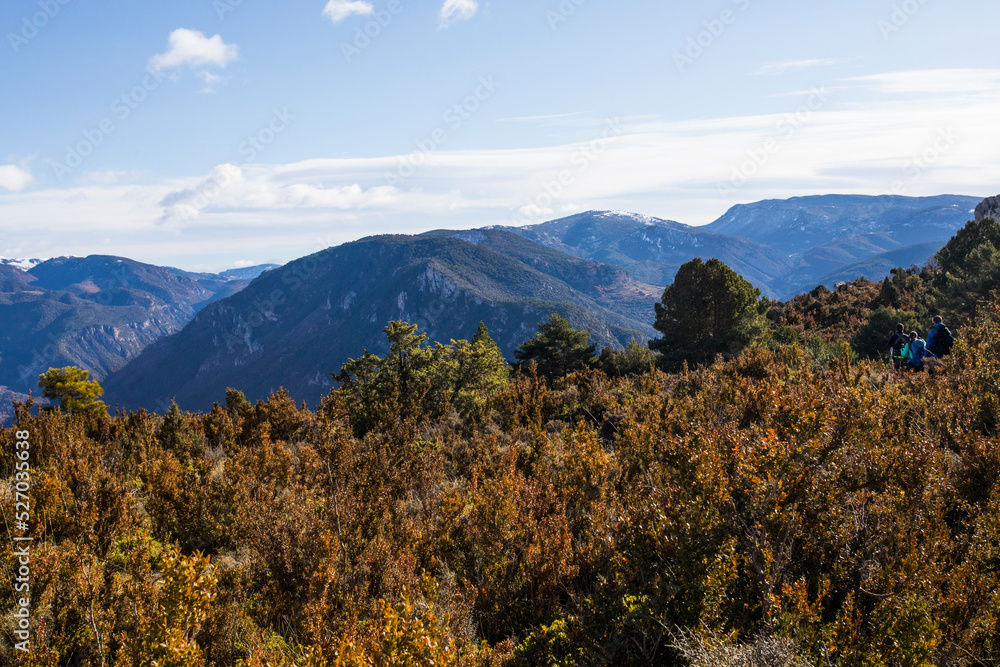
(23, 264)
(646, 220)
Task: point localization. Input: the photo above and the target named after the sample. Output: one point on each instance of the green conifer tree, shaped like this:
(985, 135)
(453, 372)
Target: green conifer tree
(558, 348)
(708, 310)
(73, 388)
(480, 371)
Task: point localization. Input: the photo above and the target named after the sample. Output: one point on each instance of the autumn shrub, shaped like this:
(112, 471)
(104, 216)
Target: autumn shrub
(777, 509)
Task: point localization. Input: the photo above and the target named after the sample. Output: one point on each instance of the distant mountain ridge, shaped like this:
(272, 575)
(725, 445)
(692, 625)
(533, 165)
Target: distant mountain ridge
(874, 268)
(292, 325)
(795, 225)
(781, 246)
(652, 249)
(96, 312)
(248, 272)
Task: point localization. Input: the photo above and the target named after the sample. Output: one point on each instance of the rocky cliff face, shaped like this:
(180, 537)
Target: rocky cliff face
(988, 208)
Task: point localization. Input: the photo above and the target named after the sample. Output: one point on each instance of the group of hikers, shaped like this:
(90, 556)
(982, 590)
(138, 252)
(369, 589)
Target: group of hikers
(910, 350)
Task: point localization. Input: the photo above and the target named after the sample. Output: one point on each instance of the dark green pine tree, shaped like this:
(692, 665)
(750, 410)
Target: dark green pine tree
(970, 270)
(558, 348)
(407, 358)
(708, 310)
(975, 235)
(377, 390)
(481, 367)
(478, 370)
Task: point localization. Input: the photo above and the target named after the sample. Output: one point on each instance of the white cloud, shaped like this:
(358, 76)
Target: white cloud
(211, 81)
(14, 178)
(535, 211)
(457, 10)
(774, 69)
(856, 143)
(338, 10)
(192, 49)
(109, 177)
(230, 188)
(933, 81)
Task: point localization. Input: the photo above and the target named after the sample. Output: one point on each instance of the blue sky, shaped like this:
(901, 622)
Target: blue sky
(207, 134)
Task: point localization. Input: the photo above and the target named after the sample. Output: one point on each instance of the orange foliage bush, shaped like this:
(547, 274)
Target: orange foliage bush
(843, 514)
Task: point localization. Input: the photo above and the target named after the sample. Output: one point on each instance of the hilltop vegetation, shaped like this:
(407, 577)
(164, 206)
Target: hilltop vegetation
(788, 503)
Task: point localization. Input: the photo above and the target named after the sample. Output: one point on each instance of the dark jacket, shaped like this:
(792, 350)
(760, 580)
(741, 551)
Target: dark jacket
(932, 335)
(897, 342)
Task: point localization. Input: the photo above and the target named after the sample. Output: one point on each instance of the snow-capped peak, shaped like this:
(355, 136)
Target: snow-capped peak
(23, 264)
(647, 220)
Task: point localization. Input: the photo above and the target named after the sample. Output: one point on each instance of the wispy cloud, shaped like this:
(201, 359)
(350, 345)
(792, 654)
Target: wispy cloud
(109, 177)
(338, 10)
(933, 82)
(657, 167)
(457, 10)
(190, 48)
(777, 68)
(14, 178)
(554, 116)
(229, 187)
(211, 81)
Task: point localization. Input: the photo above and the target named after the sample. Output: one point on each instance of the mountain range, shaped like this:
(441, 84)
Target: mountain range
(197, 334)
(293, 326)
(97, 312)
(783, 247)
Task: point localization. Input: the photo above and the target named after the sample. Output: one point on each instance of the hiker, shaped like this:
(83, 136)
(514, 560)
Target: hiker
(897, 342)
(939, 338)
(915, 352)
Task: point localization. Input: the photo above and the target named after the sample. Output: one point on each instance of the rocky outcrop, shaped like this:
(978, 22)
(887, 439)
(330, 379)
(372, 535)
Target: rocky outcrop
(988, 208)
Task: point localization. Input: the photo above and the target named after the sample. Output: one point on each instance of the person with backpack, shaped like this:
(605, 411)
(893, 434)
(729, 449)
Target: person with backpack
(897, 342)
(939, 338)
(915, 352)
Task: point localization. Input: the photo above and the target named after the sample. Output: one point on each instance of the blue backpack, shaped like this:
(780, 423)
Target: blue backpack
(943, 340)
